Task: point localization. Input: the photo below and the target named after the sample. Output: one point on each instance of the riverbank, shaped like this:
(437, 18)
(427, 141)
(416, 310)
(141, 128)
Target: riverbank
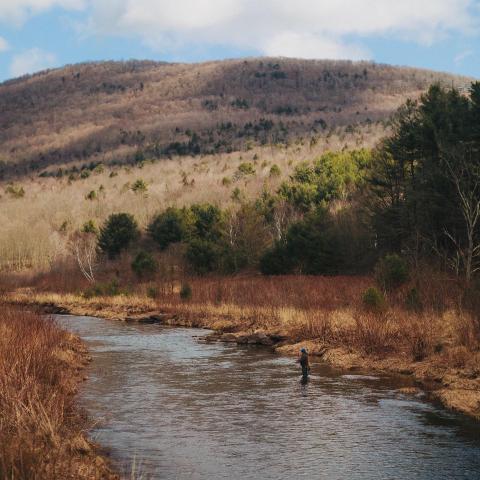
(42, 431)
(439, 350)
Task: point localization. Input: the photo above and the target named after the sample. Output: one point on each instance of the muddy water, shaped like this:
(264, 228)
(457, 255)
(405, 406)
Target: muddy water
(186, 409)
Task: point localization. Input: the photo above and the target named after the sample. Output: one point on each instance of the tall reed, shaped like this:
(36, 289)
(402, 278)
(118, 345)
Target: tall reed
(41, 432)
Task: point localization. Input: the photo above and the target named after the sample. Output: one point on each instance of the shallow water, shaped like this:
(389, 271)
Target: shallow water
(187, 409)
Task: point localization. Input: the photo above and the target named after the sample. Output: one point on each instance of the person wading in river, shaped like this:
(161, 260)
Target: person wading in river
(304, 363)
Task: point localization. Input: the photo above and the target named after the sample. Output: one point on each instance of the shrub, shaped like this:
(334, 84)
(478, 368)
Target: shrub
(91, 292)
(372, 334)
(413, 300)
(208, 222)
(15, 191)
(186, 292)
(144, 264)
(471, 297)
(90, 227)
(109, 289)
(419, 338)
(246, 168)
(118, 233)
(139, 186)
(100, 168)
(373, 299)
(92, 195)
(168, 227)
(202, 255)
(139, 157)
(275, 171)
(419, 348)
(276, 261)
(226, 181)
(391, 272)
(236, 195)
(152, 292)
(84, 174)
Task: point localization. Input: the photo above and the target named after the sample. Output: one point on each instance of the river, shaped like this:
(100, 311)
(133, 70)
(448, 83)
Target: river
(182, 408)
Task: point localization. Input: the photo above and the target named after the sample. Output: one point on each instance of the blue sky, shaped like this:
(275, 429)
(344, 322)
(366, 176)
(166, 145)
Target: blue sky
(436, 34)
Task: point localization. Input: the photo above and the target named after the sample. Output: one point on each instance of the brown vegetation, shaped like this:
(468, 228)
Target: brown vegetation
(289, 291)
(42, 434)
(439, 344)
(110, 111)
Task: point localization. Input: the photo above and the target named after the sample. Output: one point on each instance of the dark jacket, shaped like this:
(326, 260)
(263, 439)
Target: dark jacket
(304, 360)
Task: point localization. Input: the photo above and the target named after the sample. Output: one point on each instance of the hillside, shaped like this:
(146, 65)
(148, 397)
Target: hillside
(124, 112)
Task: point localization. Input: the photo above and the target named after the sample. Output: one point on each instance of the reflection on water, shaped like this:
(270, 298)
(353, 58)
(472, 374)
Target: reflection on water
(187, 409)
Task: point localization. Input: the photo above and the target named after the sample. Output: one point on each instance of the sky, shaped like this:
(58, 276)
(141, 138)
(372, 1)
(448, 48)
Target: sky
(436, 34)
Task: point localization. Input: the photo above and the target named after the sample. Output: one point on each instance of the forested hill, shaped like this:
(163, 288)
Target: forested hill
(127, 111)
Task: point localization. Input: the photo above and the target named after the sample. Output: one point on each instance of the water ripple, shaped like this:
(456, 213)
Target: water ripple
(193, 410)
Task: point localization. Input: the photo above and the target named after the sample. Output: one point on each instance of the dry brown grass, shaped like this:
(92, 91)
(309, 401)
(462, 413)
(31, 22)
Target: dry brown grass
(41, 432)
(328, 309)
(325, 309)
(288, 291)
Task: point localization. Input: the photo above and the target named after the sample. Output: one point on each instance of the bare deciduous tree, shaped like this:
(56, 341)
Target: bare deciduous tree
(283, 216)
(84, 248)
(463, 167)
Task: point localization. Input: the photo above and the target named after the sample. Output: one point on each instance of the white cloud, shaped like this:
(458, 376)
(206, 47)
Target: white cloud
(181, 15)
(367, 17)
(18, 11)
(3, 44)
(305, 45)
(301, 28)
(31, 61)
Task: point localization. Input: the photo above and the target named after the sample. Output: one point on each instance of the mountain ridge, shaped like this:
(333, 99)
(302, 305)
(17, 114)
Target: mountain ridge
(127, 111)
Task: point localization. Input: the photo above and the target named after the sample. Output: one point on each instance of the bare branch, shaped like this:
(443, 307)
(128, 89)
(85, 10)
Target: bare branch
(84, 247)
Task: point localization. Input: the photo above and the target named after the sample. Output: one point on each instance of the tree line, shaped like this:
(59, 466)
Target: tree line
(417, 194)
